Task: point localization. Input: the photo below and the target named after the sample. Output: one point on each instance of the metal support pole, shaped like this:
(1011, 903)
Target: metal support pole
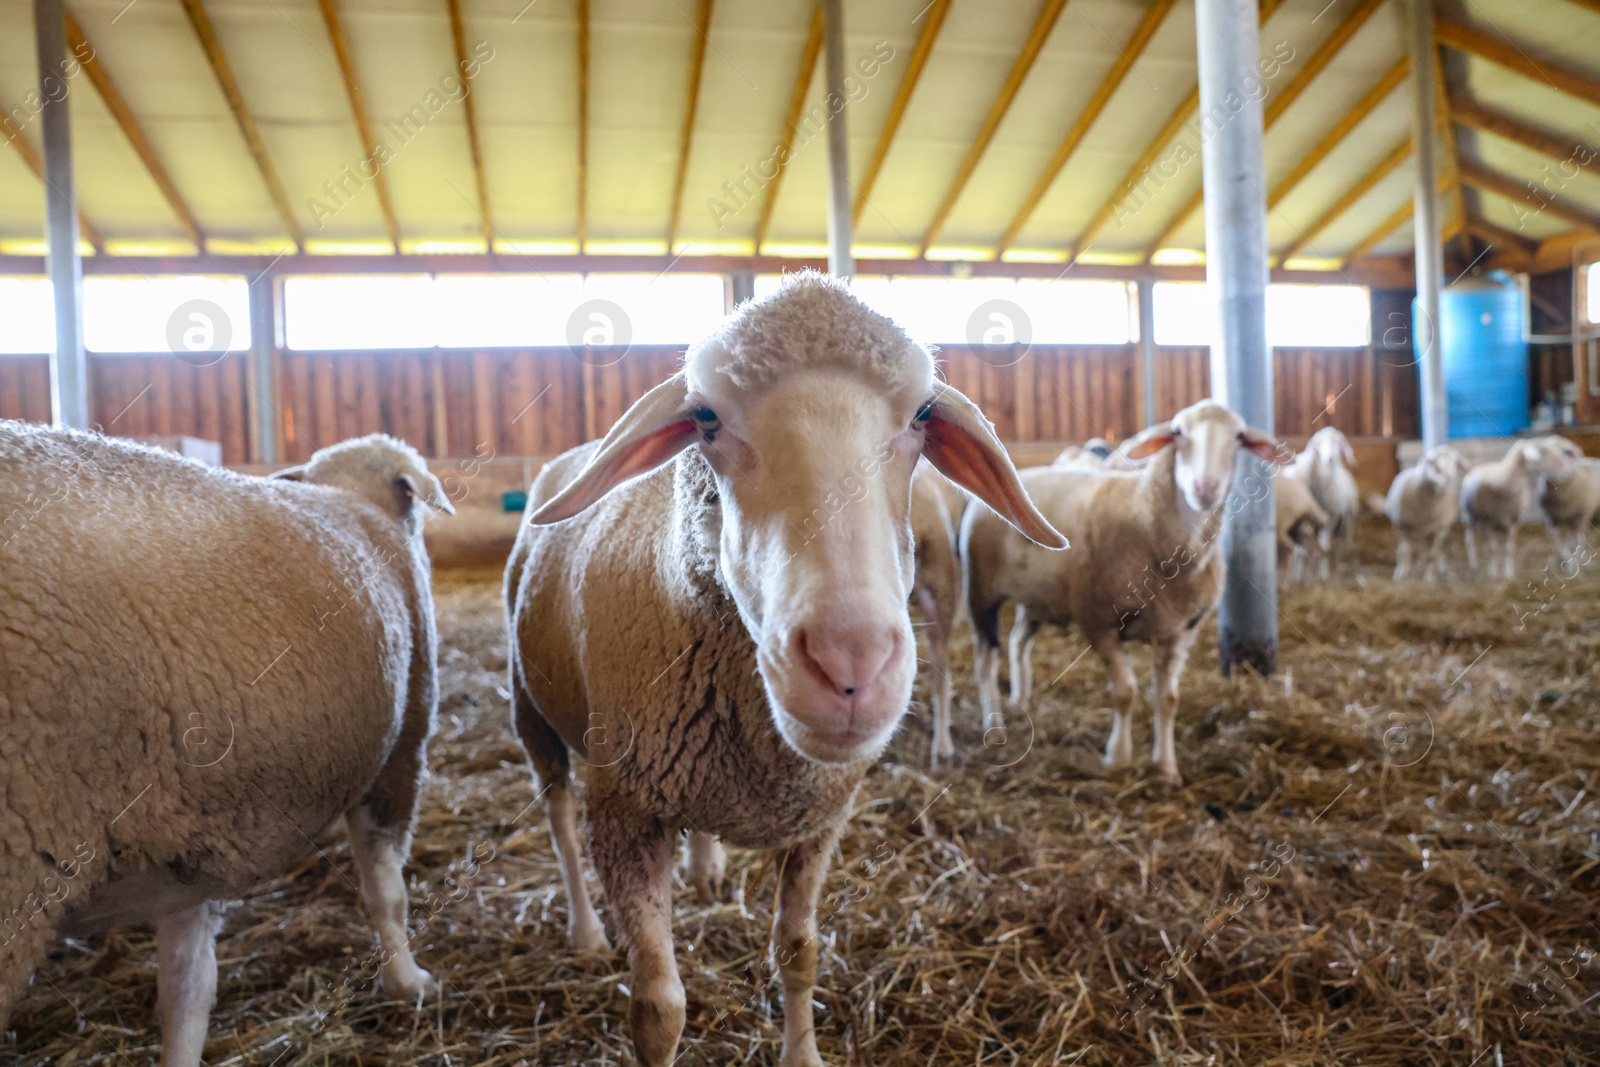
(1241, 361)
(840, 263)
(1147, 346)
(69, 366)
(741, 287)
(1430, 252)
(263, 351)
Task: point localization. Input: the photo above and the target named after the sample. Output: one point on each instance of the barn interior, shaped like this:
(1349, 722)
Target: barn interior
(246, 230)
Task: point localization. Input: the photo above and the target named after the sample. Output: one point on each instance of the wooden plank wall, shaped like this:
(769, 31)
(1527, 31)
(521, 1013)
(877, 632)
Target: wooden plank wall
(537, 402)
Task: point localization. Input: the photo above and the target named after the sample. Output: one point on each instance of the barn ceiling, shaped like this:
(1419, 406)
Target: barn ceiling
(1026, 129)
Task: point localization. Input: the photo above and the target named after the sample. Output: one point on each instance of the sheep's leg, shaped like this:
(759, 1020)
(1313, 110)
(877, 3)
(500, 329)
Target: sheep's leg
(805, 866)
(707, 865)
(1125, 697)
(1471, 535)
(186, 983)
(940, 687)
(1170, 657)
(380, 854)
(1024, 629)
(1509, 567)
(1402, 563)
(1325, 543)
(986, 665)
(634, 857)
(1436, 561)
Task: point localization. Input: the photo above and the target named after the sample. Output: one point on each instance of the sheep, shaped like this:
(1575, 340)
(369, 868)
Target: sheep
(1497, 496)
(1324, 466)
(1094, 453)
(1568, 505)
(937, 589)
(1301, 521)
(1422, 505)
(1144, 566)
(204, 670)
(710, 605)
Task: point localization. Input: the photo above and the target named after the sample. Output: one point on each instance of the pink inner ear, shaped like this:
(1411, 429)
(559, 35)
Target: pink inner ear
(1150, 446)
(975, 468)
(1266, 448)
(635, 458)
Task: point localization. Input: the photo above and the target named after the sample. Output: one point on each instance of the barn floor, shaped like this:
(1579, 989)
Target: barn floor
(1386, 855)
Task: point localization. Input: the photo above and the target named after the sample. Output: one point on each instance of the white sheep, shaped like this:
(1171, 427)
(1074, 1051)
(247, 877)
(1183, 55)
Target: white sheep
(937, 589)
(1497, 497)
(1570, 503)
(1422, 505)
(204, 670)
(1324, 466)
(711, 606)
(1144, 565)
(1301, 521)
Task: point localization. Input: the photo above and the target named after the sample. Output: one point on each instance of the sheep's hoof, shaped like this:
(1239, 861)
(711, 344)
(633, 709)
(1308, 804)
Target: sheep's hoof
(412, 984)
(590, 940)
(802, 1054)
(943, 756)
(1170, 777)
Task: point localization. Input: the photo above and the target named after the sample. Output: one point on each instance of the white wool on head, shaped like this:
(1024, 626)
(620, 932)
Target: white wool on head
(371, 467)
(813, 321)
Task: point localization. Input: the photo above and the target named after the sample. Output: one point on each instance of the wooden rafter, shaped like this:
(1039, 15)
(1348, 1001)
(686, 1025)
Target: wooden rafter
(133, 131)
(31, 160)
(1591, 5)
(1502, 53)
(458, 35)
(1499, 235)
(702, 38)
(1336, 136)
(583, 126)
(1279, 102)
(1127, 56)
(1492, 181)
(791, 123)
(358, 108)
(1180, 117)
(1476, 117)
(1393, 223)
(1385, 167)
(242, 116)
(1049, 14)
(932, 24)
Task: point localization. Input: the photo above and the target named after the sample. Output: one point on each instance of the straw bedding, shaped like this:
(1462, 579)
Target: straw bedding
(1385, 855)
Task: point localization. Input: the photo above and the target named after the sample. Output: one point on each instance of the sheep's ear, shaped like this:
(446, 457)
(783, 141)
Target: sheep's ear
(1150, 442)
(425, 487)
(962, 446)
(649, 434)
(291, 474)
(1265, 445)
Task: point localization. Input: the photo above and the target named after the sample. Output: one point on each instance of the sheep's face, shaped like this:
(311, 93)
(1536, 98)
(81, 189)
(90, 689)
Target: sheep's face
(1445, 467)
(812, 411)
(1206, 439)
(1331, 447)
(1555, 458)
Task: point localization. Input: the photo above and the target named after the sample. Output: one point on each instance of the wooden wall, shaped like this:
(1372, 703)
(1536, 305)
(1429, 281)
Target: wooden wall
(537, 402)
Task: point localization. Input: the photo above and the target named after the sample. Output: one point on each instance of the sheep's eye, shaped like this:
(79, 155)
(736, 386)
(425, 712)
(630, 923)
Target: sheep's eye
(707, 421)
(924, 414)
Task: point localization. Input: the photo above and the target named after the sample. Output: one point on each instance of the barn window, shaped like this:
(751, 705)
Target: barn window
(961, 311)
(1298, 316)
(324, 313)
(1591, 285)
(29, 317)
(171, 313)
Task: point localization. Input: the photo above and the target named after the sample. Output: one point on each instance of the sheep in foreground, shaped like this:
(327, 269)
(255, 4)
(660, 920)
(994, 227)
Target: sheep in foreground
(1422, 505)
(711, 606)
(1144, 566)
(1497, 496)
(937, 588)
(1569, 504)
(203, 671)
(1301, 521)
(1324, 467)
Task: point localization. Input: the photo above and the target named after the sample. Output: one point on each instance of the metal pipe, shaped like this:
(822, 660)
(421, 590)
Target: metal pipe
(1147, 346)
(263, 349)
(840, 263)
(1429, 248)
(1241, 361)
(69, 365)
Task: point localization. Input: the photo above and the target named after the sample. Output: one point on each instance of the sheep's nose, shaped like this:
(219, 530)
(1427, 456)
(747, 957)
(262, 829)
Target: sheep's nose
(847, 660)
(1207, 488)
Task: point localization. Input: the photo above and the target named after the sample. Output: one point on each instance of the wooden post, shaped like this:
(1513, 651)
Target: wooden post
(1241, 361)
(69, 365)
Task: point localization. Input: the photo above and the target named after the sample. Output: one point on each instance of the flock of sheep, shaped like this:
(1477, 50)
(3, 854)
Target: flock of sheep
(709, 606)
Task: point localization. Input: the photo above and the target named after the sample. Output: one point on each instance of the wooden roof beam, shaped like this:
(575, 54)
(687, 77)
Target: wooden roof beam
(697, 65)
(1367, 105)
(31, 160)
(129, 125)
(1049, 14)
(246, 122)
(902, 99)
(1127, 56)
(1180, 117)
(1461, 38)
(1499, 235)
(1385, 167)
(1492, 181)
(464, 66)
(358, 108)
(1476, 117)
(1394, 222)
(791, 123)
(1277, 104)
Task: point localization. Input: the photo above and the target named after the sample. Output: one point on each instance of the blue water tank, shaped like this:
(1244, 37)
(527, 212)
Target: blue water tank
(1484, 356)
